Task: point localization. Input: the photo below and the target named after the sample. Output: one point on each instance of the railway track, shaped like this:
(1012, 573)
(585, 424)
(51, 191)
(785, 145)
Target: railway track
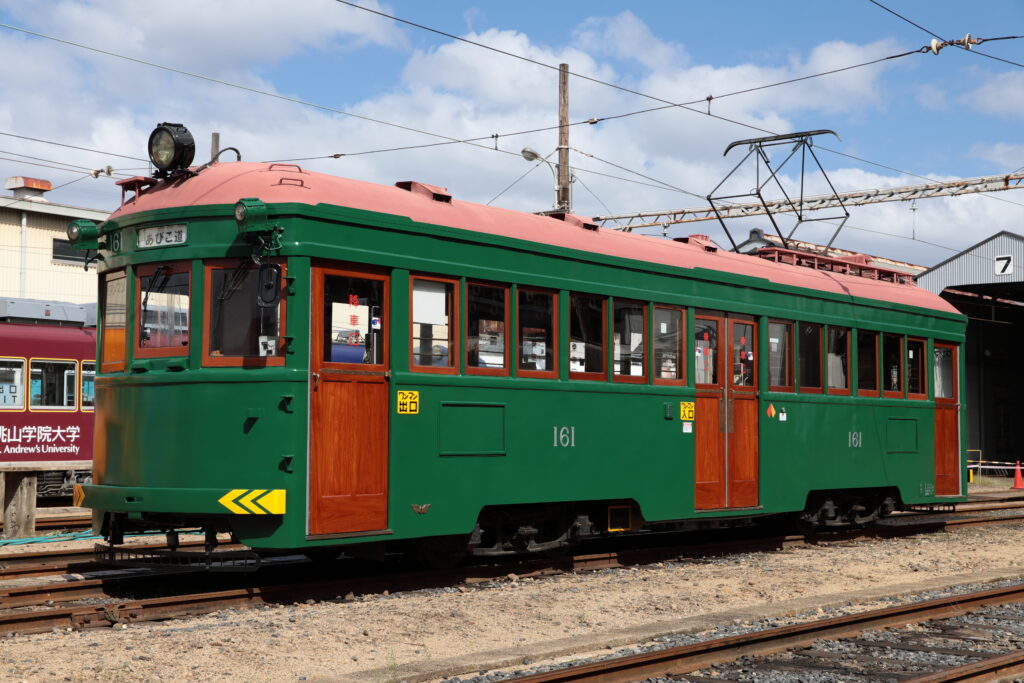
(975, 636)
(41, 591)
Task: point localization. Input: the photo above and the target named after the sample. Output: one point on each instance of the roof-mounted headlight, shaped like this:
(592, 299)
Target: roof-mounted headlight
(171, 148)
(251, 216)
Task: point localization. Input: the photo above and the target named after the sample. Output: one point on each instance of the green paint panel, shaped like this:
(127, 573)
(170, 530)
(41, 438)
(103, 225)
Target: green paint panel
(901, 435)
(472, 429)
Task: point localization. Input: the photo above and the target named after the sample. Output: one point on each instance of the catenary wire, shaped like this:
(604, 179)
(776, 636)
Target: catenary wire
(61, 144)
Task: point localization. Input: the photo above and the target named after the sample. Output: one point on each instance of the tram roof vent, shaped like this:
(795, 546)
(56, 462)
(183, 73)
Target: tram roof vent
(438, 194)
(702, 241)
(573, 219)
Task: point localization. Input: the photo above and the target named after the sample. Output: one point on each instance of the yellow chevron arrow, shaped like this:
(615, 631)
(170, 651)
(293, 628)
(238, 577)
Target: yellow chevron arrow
(247, 503)
(273, 501)
(79, 496)
(228, 501)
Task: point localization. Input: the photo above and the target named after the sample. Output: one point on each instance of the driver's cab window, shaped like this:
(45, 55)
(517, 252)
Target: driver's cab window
(245, 314)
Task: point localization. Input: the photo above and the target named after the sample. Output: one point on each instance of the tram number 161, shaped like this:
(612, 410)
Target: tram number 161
(564, 437)
(855, 439)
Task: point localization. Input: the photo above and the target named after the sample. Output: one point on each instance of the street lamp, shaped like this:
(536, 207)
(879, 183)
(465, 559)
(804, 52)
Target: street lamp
(531, 155)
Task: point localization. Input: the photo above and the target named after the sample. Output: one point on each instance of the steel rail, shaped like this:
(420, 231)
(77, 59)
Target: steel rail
(687, 658)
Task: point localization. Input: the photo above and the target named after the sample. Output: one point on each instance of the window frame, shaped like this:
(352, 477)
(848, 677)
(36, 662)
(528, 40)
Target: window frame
(554, 351)
(877, 391)
(476, 370)
(26, 399)
(822, 380)
(241, 361)
(81, 385)
(903, 371)
(601, 376)
(147, 270)
(122, 363)
(682, 357)
(838, 391)
(954, 400)
(454, 328)
(50, 409)
(922, 367)
(317, 329)
(720, 324)
(790, 353)
(632, 379)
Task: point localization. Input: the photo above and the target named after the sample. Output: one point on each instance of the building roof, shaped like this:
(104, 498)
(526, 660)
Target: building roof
(52, 209)
(996, 260)
(226, 183)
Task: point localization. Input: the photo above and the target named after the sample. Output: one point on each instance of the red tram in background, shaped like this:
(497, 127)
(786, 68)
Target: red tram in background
(47, 371)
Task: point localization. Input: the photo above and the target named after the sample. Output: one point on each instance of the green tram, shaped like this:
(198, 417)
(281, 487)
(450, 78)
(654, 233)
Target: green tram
(309, 362)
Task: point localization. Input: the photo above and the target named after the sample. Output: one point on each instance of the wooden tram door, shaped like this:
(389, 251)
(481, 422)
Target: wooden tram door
(726, 457)
(947, 422)
(348, 450)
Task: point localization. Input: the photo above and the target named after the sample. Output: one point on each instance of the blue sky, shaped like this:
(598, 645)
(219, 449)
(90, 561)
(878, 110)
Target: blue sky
(946, 116)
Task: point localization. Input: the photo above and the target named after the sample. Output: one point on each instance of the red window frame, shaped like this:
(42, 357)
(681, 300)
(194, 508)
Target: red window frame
(681, 351)
(922, 367)
(877, 391)
(106, 364)
(902, 370)
(553, 352)
(148, 270)
(633, 379)
(838, 391)
(322, 272)
(821, 374)
(239, 361)
(476, 370)
(602, 375)
(453, 327)
(956, 374)
(790, 385)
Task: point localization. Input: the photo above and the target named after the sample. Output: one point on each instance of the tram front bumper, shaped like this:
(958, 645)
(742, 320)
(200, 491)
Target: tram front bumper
(220, 501)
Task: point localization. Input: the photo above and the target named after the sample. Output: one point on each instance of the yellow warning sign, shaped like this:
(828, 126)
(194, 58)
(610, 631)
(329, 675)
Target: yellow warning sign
(254, 501)
(408, 402)
(688, 411)
(78, 496)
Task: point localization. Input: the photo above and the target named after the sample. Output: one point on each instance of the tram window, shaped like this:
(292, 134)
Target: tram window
(669, 360)
(162, 309)
(486, 322)
(705, 349)
(586, 336)
(240, 329)
(88, 385)
(916, 387)
(867, 363)
(810, 357)
(114, 302)
(353, 320)
(432, 306)
(945, 372)
(12, 383)
(52, 383)
(892, 365)
(536, 336)
(780, 356)
(838, 360)
(742, 360)
(630, 348)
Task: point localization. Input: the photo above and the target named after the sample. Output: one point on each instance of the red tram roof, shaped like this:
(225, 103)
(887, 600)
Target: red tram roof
(48, 341)
(226, 183)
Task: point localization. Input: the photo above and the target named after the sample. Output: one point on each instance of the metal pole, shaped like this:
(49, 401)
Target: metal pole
(562, 200)
(214, 146)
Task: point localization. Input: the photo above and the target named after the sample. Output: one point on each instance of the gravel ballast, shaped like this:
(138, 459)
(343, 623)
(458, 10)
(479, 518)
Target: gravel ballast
(514, 621)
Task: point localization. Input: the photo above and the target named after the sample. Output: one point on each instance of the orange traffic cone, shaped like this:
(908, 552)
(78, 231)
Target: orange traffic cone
(1018, 482)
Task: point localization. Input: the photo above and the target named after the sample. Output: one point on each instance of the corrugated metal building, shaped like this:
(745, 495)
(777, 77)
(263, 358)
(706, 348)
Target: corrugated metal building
(986, 283)
(36, 261)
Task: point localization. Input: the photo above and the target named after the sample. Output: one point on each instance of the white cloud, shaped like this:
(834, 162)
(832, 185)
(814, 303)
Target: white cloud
(1005, 155)
(1000, 94)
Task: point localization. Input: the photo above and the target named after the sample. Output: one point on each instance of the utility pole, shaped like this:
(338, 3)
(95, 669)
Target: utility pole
(564, 202)
(214, 146)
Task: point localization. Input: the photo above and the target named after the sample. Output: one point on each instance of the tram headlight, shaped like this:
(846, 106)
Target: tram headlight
(84, 234)
(171, 148)
(251, 216)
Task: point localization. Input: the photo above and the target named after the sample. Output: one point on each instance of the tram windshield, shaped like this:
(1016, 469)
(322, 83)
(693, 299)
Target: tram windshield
(239, 325)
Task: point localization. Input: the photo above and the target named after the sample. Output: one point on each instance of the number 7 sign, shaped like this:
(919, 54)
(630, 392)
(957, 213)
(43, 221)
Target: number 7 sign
(1003, 265)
